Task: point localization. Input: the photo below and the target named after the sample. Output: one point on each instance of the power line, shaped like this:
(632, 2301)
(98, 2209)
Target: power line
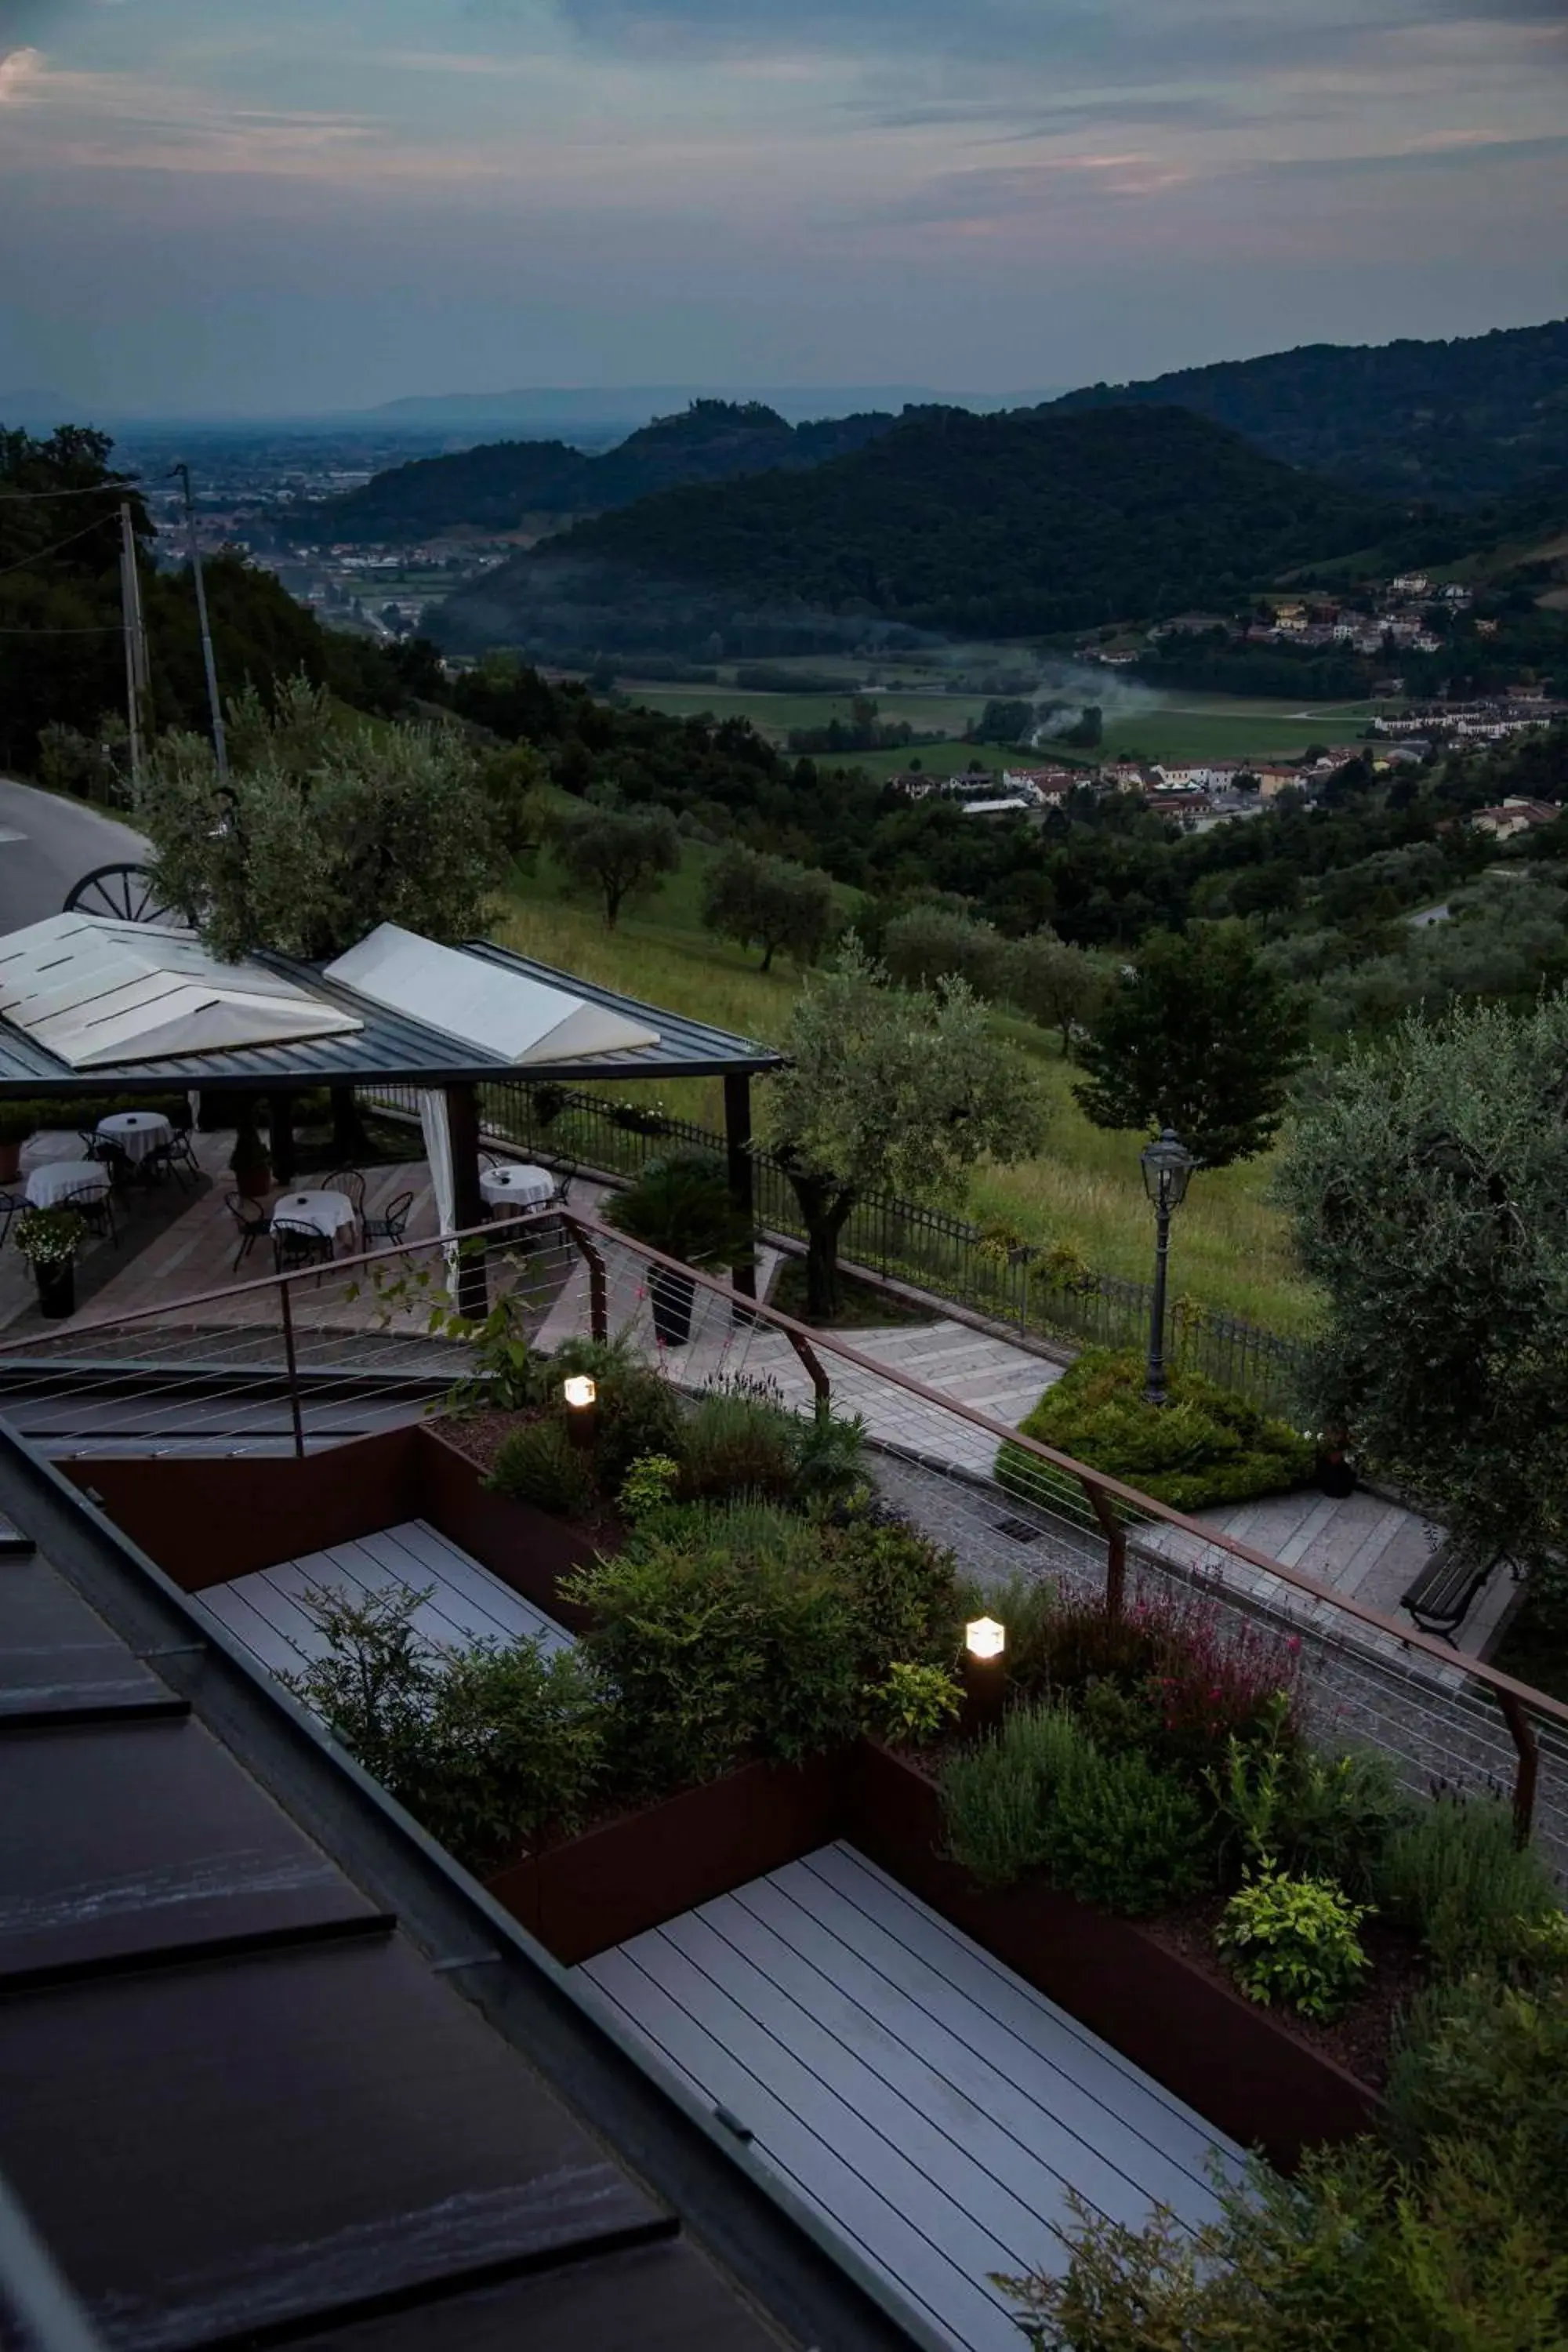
(96, 490)
(41, 554)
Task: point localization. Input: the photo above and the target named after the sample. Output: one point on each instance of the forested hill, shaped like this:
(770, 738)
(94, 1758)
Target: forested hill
(982, 526)
(502, 484)
(1451, 421)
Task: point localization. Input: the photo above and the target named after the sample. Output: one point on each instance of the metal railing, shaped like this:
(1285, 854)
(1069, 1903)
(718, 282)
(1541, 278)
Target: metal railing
(291, 1362)
(1045, 1293)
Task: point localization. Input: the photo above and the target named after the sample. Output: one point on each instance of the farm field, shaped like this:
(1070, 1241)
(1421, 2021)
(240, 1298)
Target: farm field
(1179, 727)
(1231, 1249)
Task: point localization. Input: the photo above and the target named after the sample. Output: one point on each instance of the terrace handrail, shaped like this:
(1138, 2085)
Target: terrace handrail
(1109, 1498)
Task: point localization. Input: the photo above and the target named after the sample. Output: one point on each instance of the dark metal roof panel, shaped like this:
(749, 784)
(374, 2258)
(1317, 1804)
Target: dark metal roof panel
(120, 1840)
(390, 1046)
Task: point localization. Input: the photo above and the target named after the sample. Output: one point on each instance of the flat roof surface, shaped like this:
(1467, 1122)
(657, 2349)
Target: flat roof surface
(395, 1047)
(932, 2106)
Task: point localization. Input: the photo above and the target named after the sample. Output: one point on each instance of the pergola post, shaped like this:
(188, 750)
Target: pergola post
(280, 1137)
(738, 1163)
(468, 1200)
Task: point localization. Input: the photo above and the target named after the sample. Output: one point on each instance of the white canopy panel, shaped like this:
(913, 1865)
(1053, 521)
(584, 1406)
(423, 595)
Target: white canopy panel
(98, 991)
(482, 1003)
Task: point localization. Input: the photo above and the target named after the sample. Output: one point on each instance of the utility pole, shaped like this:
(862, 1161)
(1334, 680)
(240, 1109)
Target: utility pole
(136, 680)
(219, 746)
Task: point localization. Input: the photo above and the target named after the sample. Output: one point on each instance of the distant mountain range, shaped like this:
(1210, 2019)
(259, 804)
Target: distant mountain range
(1449, 421)
(1036, 521)
(506, 486)
(634, 404)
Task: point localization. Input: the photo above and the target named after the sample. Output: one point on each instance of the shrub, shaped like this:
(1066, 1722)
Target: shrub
(682, 1205)
(914, 1703)
(1489, 2061)
(1205, 1446)
(1110, 1829)
(487, 1748)
(733, 1444)
(1317, 1817)
(1293, 1940)
(904, 1589)
(996, 1795)
(829, 1456)
(649, 1484)
(1353, 2251)
(541, 1462)
(1124, 1834)
(1454, 1876)
(18, 1120)
(721, 1632)
(520, 1737)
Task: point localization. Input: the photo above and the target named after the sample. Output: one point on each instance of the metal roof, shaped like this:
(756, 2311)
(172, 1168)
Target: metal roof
(393, 1047)
(243, 2099)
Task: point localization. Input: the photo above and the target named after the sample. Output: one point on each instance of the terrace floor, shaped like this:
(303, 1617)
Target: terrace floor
(268, 1611)
(930, 2107)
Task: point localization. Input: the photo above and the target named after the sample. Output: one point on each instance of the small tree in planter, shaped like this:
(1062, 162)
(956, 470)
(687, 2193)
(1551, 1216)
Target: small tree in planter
(681, 1205)
(49, 1239)
(18, 1121)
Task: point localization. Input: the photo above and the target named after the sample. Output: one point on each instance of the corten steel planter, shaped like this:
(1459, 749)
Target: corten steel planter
(527, 1548)
(634, 1873)
(1240, 2066)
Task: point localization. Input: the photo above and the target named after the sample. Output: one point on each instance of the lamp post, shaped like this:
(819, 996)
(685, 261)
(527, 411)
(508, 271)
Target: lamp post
(985, 1674)
(1167, 1164)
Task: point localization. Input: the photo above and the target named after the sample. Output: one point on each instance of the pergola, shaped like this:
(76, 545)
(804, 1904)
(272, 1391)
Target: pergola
(484, 1015)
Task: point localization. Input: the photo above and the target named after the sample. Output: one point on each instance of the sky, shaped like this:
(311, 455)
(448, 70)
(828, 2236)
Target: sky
(273, 206)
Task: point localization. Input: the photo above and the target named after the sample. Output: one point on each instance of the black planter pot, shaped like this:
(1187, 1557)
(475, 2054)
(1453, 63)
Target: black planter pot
(57, 1289)
(1335, 1475)
(672, 1297)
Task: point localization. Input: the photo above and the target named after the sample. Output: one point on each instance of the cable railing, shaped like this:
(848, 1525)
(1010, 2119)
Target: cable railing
(1049, 1294)
(294, 1362)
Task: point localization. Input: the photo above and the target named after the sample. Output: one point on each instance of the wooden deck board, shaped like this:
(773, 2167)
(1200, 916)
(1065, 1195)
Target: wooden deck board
(266, 1610)
(933, 2107)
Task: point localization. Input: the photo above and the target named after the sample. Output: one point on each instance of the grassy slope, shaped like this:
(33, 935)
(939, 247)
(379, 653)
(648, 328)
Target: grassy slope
(1231, 1247)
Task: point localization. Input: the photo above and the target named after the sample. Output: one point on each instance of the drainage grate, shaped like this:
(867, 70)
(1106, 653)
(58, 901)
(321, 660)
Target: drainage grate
(1019, 1530)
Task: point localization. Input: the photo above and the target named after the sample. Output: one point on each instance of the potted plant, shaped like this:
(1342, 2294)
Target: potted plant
(49, 1240)
(18, 1120)
(248, 1162)
(681, 1205)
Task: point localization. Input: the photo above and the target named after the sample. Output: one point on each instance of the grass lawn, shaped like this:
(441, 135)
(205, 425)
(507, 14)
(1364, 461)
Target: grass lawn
(1184, 726)
(1229, 1248)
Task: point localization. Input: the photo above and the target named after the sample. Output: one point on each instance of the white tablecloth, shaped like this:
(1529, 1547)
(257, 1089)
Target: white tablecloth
(57, 1179)
(326, 1214)
(137, 1132)
(518, 1184)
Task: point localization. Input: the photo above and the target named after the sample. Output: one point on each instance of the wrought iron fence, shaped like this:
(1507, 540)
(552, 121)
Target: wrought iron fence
(1049, 1292)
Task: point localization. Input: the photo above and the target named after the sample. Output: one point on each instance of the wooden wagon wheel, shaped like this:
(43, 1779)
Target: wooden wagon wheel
(128, 893)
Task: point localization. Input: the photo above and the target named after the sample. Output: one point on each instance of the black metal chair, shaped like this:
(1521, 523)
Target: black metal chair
(389, 1225)
(176, 1158)
(253, 1222)
(296, 1246)
(9, 1204)
(123, 1172)
(565, 1177)
(96, 1210)
(349, 1181)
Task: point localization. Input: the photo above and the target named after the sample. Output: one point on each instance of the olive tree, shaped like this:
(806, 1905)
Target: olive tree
(932, 943)
(1058, 984)
(768, 903)
(893, 1091)
(618, 853)
(1428, 1179)
(323, 829)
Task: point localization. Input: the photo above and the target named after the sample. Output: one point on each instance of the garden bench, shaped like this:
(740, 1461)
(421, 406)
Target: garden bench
(1442, 1594)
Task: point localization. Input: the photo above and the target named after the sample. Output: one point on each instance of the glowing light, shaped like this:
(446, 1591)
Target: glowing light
(984, 1638)
(579, 1392)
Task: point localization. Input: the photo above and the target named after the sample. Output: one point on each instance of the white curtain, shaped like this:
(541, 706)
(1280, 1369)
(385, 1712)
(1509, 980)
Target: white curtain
(443, 1184)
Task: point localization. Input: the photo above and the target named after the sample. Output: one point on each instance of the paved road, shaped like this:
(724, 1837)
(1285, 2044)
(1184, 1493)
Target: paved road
(45, 845)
